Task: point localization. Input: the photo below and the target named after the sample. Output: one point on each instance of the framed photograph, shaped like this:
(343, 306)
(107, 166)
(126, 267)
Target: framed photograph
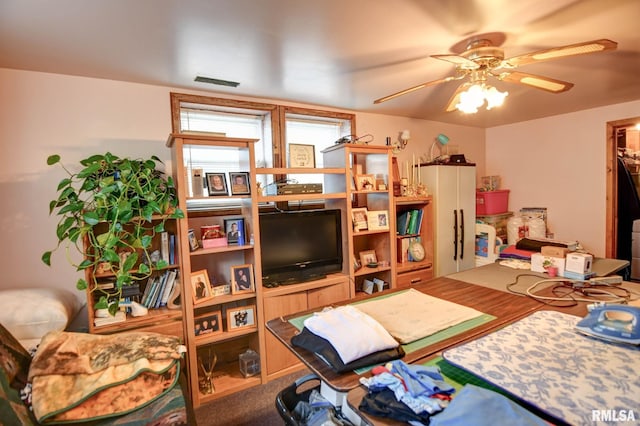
(217, 184)
(241, 317)
(234, 229)
(193, 241)
(359, 218)
(201, 286)
(365, 182)
(239, 183)
(378, 220)
(367, 257)
(242, 279)
(302, 155)
(210, 323)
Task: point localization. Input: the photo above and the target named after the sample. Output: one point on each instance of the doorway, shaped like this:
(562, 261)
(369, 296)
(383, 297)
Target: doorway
(614, 203)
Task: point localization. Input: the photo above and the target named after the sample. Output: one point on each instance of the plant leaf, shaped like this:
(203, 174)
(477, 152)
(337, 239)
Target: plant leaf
(46, 258)
(81, 284)
(53, 159)
(132, 259)
(91, 218)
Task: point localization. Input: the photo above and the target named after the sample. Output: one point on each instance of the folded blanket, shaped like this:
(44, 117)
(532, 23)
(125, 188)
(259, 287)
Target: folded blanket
(352, 333)
(77, 376)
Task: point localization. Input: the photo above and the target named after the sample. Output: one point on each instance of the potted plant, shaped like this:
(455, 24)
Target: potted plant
(112, 206)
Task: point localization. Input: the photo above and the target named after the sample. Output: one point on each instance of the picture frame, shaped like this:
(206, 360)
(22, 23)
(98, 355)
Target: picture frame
(365, 182)
(201, 286)
(239, 183)
(368, 257)
(242, 279)
(241, 317)
(234, 230)
(193, 241)
(359, 218)
(378, 220)
(301, 155)
(217, 184)
(208, 324)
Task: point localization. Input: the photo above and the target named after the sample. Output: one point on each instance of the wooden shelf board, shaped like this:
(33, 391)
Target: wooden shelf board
(208, 339)
(298, 170)
(154, 316)
(204, 251)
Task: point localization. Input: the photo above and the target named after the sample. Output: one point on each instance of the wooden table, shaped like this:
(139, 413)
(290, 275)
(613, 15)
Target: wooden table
(506, 307)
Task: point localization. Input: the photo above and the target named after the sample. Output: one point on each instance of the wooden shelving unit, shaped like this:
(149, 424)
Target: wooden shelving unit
(410, 273)
(228, 342)
(356, 159)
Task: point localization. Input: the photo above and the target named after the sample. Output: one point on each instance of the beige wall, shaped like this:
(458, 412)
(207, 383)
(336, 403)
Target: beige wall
(556, 162)
(44, 114)
(559, 163)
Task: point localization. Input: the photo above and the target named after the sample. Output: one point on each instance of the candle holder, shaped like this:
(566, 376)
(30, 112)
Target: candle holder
(205, 382)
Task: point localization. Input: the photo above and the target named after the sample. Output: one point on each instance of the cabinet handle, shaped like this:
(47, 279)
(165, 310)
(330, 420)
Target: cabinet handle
(455, 235)
(415, 280)
(461, 234)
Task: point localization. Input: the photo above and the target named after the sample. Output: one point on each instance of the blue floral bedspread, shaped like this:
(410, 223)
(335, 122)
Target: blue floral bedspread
(544, 361)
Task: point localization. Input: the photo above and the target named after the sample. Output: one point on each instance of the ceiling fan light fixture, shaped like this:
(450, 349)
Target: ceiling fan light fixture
(476, 95)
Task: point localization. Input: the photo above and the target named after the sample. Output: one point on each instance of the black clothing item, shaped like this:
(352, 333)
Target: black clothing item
(325, 350)
(384, 404)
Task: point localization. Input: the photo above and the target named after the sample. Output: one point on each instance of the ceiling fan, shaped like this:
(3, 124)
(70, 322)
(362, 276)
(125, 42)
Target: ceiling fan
(479, 58)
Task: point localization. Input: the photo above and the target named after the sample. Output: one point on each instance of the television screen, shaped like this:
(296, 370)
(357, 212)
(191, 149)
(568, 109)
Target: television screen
(300, 246)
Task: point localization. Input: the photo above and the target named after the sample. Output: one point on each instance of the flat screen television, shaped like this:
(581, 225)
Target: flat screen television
(300, 246)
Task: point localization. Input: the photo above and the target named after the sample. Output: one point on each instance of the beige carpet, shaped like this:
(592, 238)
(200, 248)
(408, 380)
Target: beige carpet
(253, 407)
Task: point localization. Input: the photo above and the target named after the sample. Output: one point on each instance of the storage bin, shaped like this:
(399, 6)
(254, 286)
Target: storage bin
(492, 202)
(498, 221)
(288, 398)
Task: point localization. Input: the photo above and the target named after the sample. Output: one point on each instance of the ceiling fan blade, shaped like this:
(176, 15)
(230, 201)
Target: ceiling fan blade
(455, 98)
(539, 82)
(594, 46)
(460, 61)
(414, 88)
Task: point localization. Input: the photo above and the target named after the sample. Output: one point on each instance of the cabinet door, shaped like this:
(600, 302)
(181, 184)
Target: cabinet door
(446, 204)
(328, 295)
(277, 355)
(467, 219)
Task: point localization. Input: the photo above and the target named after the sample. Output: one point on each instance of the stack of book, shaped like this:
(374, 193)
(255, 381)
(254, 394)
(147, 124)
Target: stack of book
(159, 288)
(409, 222)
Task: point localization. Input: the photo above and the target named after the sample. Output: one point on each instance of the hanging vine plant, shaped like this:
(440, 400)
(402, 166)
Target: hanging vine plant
(113, 206)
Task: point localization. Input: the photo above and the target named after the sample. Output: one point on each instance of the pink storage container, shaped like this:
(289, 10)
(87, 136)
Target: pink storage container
(492, 202)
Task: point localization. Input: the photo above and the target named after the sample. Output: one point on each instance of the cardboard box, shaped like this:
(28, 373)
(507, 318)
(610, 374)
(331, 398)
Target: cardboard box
(554, 251)
(580, 263)
(538, 261)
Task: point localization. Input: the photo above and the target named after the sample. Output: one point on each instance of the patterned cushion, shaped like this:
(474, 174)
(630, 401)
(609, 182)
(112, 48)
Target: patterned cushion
(14, 367)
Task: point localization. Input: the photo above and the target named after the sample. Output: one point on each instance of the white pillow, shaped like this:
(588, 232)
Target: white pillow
(30, 313)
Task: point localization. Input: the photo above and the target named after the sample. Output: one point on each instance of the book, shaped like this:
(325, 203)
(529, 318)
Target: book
(160, 291)
(147, 290)
(164, 246)
(412, 226)
(172, 249)
(402, 220)
(154, 290)
(171, 281)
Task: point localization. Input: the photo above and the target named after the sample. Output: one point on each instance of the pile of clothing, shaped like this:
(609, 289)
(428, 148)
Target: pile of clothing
(347, 339)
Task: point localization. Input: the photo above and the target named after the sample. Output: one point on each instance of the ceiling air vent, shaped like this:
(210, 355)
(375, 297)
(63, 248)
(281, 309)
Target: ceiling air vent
(217, 81)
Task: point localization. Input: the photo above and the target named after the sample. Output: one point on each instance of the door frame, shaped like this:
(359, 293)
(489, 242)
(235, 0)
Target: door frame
(611, 232)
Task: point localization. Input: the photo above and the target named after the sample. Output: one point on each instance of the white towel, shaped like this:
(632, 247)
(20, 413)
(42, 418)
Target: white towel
(352, 333)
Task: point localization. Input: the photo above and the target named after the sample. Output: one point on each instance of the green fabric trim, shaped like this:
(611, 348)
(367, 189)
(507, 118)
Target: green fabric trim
(176, 362)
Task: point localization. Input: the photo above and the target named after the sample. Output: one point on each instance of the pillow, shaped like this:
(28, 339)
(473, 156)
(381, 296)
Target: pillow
(30, 313)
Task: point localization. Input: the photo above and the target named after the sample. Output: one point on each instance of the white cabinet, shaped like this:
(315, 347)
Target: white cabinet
(453, 188)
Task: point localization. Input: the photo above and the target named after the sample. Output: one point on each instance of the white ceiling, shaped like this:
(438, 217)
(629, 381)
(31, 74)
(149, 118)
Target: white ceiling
(335, 53)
